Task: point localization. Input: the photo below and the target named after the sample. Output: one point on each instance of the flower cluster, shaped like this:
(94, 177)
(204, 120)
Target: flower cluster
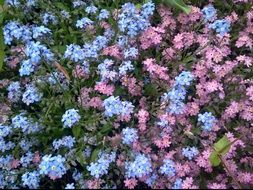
(70, 118)
(101, 166)
(53, 166)
(207, 120)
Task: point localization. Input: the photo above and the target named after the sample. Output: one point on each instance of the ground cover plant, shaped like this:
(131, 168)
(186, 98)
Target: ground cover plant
(126, 94)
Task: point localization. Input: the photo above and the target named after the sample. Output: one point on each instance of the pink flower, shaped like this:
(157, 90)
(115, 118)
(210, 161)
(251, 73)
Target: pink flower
(96, 102)
(113, 51)
(15, 164)
(155, 70)
(105, 88)
(151, 37)
(249, 92)
(80, 72)
(217, 186)
(130, 183)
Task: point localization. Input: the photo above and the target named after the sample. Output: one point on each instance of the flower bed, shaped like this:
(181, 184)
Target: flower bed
(126, 94)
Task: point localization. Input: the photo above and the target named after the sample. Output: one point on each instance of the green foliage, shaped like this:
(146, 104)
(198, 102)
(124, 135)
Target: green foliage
(178, 4)
(220, 149)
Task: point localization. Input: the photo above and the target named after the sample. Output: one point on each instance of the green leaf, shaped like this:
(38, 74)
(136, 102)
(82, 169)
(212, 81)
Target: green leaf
(220, 149)
(223, 145)
(94, 154)
(214, 159)
(76, 131)
(106, 128)
(179, 4)
(150, 90)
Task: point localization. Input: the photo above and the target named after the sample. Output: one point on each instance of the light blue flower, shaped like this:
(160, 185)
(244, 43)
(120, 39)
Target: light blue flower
(100, 168)
(221, 26)
(48, 18)
(70, 118)
(113, 106)
(14, 91)
(207, 120)
(131, 52)
(5, 130)
(82, 23)
(129, 135)
(131, 22)
(190, 152)
(52, 166)
(31, 179)
(39, 31)
(31, 95)
(140, 167)
(70, 186)
(91, 9)
(168, 168)
(74, 53)
(209, 12)
(125, 67)
(178, 184)
(66, 141)
(104, 14)
(184, 79)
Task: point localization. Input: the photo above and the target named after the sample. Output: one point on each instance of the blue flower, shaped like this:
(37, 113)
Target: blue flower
(91, 9)
(221, 26)
(4, 130)
(14, 3)
(178, 184)
(70, 117)
(125, 67)
(39, 31)
(31, 179)
(70, 186)
(30, 3)
(52, 166)
(99, 168)
(36, 52)
(48, 18)
(74, 53)
(190, 152)
(184, 79)
(27, 159)
(132, 22)
(27, 67)
(177, 94)
(130, 53)
(113, 106)
(207, 120)
(104, 14)
(168, 168)
(22, 122)
(65, 14)
(78, 3)
(14, 91)
(163, 123)
(140, 167)
(209, 12)
(25, 145)
(129, 135)
(66, 141)
(147, 9)
(31, 95)
(151, 180)
(5, 146)
(14, 30)
(83, 22)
